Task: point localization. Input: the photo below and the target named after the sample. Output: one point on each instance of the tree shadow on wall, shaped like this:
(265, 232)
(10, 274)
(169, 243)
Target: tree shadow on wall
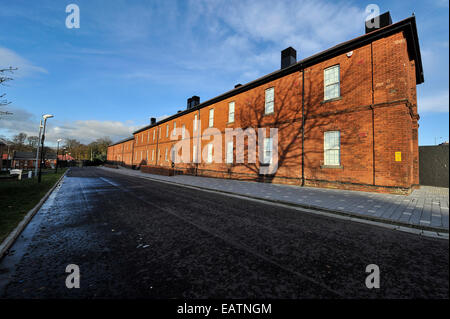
(287, 117)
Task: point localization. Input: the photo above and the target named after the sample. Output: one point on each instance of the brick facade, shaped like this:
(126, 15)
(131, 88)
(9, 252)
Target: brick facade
(375, 113)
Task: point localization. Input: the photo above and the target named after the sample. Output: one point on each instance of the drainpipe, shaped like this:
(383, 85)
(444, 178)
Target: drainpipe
(132, 151)
(198, 141)
(123, 153)
(157, 144)
(303, 126)
(373, 117)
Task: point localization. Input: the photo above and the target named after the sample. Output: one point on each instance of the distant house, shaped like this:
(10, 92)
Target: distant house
(4, 154)
(27, 160)
(65, 157)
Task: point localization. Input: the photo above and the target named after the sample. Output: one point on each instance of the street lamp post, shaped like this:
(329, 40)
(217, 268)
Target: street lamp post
(45, 117)
(57, 150)
(37, 149)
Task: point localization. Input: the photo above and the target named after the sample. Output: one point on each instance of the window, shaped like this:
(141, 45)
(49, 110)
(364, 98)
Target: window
(159, 155)
(268, 145)
(331, 83)
(210, 150)
(183, 130)
(148, 136)
(231, 112)
(174, 128)
(167, 130)
(159, 135)
(142, 138)
(269, 101)
(229, 158)
(332, 148)
(154, 133)
(166, 154)
(146, 156)
(153, 155)
(194, 154)
(195, 122)
(211, 117)
(172, 154)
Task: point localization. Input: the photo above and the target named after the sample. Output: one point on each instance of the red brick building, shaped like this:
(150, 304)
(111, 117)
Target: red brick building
(346, 118)
(121, 152)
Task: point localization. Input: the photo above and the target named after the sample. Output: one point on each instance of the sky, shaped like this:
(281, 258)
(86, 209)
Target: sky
(132, 60)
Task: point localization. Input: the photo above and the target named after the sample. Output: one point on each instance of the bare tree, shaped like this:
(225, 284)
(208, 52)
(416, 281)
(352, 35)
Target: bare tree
(33, 141)
(3, 79)
(20, 138)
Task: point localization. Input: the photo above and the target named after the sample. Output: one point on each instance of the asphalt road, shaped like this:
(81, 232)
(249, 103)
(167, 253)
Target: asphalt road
(135, 238)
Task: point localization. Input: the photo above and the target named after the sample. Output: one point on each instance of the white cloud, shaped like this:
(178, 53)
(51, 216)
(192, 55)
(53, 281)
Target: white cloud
(85, 131)
(9, 58)
(236, 38)
(88, 130)
(435, 103)
(307, 25)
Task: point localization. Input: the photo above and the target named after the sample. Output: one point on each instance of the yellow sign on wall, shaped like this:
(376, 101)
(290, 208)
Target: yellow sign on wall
(398, 156)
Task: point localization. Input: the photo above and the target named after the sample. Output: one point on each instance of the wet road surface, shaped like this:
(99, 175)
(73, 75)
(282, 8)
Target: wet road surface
(136, 238)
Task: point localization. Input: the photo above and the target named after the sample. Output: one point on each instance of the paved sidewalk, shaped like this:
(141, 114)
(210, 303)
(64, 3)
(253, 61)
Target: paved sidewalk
(424, 208)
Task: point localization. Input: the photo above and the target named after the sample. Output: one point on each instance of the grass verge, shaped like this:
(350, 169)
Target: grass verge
(18, 197)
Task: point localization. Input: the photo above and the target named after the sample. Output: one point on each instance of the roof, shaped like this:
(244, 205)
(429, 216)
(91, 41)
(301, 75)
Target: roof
(31, 156)
(122, 141)
(407, 25)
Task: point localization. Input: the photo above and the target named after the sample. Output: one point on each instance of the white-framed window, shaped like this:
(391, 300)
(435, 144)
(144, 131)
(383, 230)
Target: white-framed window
(268, 145)
(159, 135)
(332, 148)
(167, 130)
(154, 134)
(183, 131)
(153, 155)
(210, 153)
(172, 154)
(231, 112)
(229, 157)
(174, 128)
(148, 136)
(146, 157)
(211, 117)
(195, 122)
(166, 154)
(269, 100)
(194, 153)
(142, 138)
(331, 85)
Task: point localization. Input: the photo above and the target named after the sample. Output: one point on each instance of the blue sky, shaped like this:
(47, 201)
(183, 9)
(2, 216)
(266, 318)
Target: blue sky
(132, 60)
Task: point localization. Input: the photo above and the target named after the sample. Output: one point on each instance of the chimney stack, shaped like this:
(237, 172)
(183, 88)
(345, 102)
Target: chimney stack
(193, 101)
(237, 85)
(378, 22)
(152, 120)
(288, 57)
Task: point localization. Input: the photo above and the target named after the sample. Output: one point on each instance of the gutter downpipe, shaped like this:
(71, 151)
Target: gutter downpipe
(373, 118)
(303, 126)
